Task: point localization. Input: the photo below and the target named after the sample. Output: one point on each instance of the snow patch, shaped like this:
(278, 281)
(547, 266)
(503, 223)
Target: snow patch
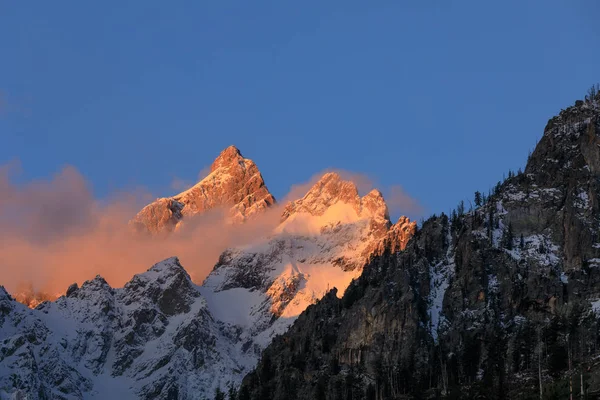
(582, 200)
(596, 307)
(564, 278)
(440, 277)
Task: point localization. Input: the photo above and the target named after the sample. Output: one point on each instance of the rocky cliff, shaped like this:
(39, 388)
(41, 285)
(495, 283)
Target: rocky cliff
(502, 301)
(234, 183)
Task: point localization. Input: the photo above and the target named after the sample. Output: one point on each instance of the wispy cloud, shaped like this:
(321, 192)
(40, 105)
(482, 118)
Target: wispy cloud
(180, 185)
(54, 232)
(401, 203)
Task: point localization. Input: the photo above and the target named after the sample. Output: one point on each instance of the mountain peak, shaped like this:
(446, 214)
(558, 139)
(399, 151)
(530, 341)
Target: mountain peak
(235, 183)
(569, 146)
(374, 203)
(167, 266)
(332, 189)
(228, 157)
(166, 284)
(327, 191)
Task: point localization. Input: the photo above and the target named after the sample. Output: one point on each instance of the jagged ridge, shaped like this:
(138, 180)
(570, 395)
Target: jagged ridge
(234, 183)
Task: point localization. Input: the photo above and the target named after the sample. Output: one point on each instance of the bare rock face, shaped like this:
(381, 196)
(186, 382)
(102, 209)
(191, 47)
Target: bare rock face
(163, 214)
(234, 182)
(330, 189)
(399, 234)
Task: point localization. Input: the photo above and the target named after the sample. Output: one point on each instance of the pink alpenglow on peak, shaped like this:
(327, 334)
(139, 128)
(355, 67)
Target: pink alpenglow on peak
(234, 183)
(332, 189)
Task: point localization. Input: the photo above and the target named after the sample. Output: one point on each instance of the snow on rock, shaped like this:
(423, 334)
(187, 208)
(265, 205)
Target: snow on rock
(153, 338)
(323, 241)
(564, 278)
(234, 182)
(440, 276)
(582, 200)
(596, 307)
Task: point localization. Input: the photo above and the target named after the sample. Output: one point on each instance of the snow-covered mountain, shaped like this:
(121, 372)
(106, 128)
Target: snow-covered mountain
(323, 241)
(162, 336)
(153, 338)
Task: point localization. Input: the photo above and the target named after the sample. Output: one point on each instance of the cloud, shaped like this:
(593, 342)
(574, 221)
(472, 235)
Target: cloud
(55, 232)
(401, 203)
(204, 172)
(180, 185)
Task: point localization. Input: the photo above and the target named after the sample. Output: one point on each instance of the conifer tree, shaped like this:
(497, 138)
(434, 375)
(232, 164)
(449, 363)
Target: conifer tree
(219, 394)
(461, 208)
(231, 393)
(478, 199)
(507, 237)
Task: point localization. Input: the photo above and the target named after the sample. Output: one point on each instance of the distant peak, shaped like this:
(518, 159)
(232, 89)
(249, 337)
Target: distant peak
(375, 204)
(331, 189)
(330, 176)
(375, 193)
(166, 284)
(162, 271)
(96, 283)
(234, 182)
(227, 157)
(91, 288)
(168, 264)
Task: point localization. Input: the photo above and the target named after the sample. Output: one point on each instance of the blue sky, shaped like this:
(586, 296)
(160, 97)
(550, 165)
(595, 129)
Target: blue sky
(441, 97)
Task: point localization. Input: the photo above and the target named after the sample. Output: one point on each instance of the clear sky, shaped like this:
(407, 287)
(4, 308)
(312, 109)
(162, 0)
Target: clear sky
(439, 96)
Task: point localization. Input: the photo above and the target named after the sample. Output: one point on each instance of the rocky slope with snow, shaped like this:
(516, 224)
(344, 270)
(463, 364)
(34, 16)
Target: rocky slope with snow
(234, 183)
(502, 301)
(162, 336)
(154, 338)
(323, 241)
